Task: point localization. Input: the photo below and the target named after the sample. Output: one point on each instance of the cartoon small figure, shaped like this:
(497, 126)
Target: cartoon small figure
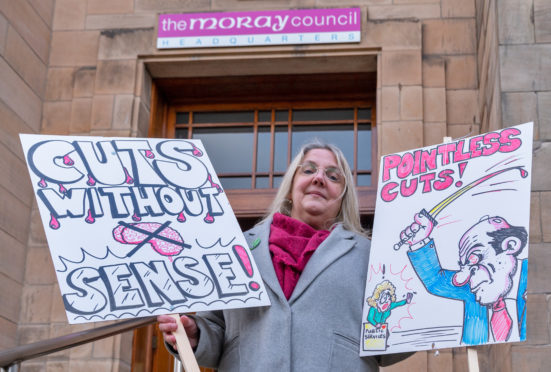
(488, 282)
(382, 302)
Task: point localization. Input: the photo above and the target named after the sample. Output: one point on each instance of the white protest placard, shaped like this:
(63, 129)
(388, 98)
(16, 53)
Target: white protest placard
(449, 257)
(139, 227)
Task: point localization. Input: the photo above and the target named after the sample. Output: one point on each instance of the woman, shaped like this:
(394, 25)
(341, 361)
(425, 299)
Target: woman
(383, 301)
(313, 257)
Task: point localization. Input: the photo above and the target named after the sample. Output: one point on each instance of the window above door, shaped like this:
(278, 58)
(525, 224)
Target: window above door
(262, 139)
(251, 128)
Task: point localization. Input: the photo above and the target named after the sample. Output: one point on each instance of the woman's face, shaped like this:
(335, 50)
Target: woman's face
(384, 301)
(317, 195)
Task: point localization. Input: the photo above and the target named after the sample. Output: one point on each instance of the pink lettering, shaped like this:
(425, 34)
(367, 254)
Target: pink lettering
(459, 155)
(428, 160)
(444, 180)
(390, 162)
(426, 180)
(474, 146)
(387, 193)
(445, 150)
(406, 190)
(406, 165)
(509, 144)
(491, 139)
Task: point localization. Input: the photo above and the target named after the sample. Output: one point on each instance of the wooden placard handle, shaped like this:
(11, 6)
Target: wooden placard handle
(472, 357)
(472, 353)
(184, 348)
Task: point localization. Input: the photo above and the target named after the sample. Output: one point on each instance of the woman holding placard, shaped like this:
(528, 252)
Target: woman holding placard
(313, 256)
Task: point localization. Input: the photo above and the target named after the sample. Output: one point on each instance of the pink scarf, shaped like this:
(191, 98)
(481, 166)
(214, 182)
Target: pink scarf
(292, 243)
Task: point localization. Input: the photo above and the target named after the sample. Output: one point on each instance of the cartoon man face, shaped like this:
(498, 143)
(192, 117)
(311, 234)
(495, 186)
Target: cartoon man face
(487, 258)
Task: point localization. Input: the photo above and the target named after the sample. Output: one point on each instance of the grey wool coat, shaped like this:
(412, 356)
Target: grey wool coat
(317, 329)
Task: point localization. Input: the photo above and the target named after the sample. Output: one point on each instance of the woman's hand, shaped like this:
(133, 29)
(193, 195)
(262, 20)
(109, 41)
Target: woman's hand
(167, 325)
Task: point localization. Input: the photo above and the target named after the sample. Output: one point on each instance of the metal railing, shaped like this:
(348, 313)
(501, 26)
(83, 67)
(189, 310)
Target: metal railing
(10, 360)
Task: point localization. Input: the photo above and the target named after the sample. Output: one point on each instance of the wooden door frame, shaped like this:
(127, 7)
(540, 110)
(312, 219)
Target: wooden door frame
(241, 61)
(163, 118)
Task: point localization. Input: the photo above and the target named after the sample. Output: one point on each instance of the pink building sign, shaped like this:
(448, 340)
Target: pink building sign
(273, 27)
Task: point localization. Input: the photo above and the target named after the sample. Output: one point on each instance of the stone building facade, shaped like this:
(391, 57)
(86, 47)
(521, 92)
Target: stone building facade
(87, 67)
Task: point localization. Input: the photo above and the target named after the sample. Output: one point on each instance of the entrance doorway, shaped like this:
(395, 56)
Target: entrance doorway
(262, 121)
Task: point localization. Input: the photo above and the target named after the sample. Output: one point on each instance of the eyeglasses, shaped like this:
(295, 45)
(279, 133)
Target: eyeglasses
(332, 174)
(384, 296)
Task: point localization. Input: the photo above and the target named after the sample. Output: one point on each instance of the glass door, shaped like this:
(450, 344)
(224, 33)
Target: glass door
(251, 127)
(263, 138)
